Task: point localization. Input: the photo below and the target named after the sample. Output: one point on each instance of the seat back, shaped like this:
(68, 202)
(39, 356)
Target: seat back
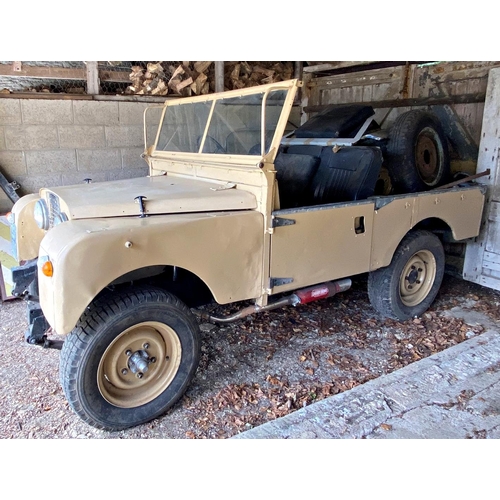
(294, 173)
(336, 121)
(349, 174)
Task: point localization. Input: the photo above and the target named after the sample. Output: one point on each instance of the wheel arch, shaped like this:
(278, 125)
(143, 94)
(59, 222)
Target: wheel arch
(88, 256)
(182, 282)
(435, 225)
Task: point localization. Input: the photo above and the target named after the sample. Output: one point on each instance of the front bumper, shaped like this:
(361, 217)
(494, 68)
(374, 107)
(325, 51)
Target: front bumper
(25, 279)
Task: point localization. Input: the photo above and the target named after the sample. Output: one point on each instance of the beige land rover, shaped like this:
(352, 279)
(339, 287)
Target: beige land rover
(237, 206)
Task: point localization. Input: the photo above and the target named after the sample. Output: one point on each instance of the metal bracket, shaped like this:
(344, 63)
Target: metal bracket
(9, 188)
(142, 208)
(22, 277)
(327, 141)
(281, 221)
(279, 281)
(38, 326)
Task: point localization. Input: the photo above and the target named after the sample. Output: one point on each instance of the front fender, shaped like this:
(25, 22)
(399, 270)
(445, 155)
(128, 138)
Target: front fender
(223, 249)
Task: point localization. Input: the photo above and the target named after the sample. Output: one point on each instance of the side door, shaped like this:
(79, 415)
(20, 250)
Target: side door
(321, 243)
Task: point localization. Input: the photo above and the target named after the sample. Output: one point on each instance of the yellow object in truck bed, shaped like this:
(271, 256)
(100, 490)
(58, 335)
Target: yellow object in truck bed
(7, 261)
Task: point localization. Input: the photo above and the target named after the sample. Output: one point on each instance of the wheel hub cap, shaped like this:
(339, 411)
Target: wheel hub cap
(417, 278)
(429, 156)
(139, 364)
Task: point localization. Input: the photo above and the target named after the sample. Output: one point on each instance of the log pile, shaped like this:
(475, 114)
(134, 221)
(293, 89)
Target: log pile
(239, 75)
(159, 78)
(198, 78)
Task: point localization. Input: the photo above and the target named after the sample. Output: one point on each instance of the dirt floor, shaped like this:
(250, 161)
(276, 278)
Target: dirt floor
(252, 371)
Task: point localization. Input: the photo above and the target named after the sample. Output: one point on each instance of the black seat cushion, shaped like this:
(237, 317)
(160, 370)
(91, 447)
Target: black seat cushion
(294, 173)
(347, 175)
(336, 121)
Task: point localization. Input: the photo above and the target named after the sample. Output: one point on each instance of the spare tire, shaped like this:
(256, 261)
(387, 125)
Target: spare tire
(417, 155)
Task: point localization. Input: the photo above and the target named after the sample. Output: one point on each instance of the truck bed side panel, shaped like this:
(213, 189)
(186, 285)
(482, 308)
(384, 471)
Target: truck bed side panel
(460, 208)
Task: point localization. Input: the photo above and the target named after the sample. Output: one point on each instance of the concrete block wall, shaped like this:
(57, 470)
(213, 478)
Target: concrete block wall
(61, 142)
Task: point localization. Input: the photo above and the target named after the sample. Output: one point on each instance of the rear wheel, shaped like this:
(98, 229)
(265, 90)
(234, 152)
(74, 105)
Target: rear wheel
(130, 358)
(408, 286)
(417, 153)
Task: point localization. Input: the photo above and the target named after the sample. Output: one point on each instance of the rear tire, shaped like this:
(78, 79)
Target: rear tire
(408, 286)
(130, 358)
(417, 154)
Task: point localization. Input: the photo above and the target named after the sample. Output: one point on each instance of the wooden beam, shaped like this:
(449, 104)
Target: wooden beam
(62, 73)
(418, 101)
(219, 76)
(335, 65)
(48, 96)
(43, 72)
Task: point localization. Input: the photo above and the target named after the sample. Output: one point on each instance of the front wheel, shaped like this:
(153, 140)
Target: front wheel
(407, 287)
(130, 358)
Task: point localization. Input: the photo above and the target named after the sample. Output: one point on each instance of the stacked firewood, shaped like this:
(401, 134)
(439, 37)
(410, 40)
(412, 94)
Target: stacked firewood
(159, 78)
(238, 75)
(198, 78)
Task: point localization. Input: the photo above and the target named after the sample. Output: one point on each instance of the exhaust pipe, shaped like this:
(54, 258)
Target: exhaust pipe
(303, 296)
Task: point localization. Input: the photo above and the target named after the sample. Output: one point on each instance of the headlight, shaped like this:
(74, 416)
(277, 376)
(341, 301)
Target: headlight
(41, 214)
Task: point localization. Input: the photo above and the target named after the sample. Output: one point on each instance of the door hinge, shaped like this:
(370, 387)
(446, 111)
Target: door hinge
(281, 221)
(279, 281)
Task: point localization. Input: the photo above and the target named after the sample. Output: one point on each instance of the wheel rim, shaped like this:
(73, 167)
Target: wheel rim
(417, 278)
(139, 364)
(429, 156)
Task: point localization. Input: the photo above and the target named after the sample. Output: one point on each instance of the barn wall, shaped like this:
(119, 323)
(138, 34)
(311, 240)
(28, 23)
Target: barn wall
(412, 81)
(60, 142)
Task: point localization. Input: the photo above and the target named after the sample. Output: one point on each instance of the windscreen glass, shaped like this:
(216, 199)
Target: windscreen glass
(235, 125)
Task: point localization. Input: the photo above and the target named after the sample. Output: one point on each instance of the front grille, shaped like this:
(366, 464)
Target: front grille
(54, 207)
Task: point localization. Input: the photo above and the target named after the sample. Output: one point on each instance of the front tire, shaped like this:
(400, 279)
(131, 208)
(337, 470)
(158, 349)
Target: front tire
(130, 358)
(408, 286)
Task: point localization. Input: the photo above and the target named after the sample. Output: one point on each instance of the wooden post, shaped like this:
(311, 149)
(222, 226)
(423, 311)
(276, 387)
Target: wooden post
(304, 97)
(219, 76)
(482, 255)
(297, 70)
(93, 87)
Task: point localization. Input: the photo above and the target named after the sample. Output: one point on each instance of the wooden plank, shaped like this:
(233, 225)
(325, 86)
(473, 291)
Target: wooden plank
(335, 65)
(493, 265)
(492, 257)
(490, 282)
(44, 72)
(370, 77)
(494, 214)
(420, 101)
(43, 95)
(62, 73)
(490, 273)
(489, 238)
